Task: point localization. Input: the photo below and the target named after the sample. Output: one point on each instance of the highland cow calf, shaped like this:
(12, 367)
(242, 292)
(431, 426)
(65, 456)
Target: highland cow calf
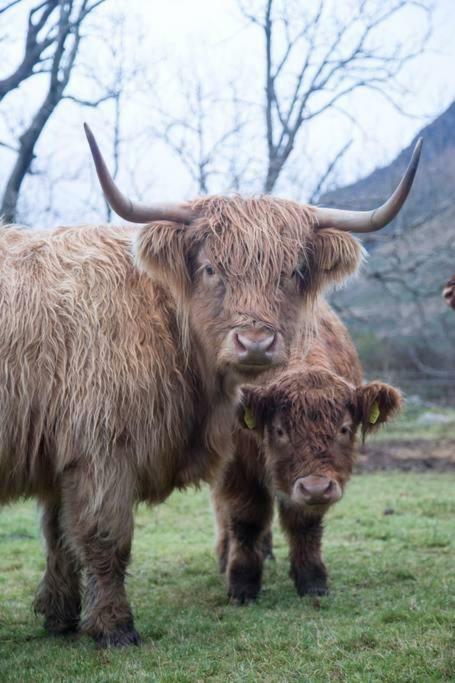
(296, 444)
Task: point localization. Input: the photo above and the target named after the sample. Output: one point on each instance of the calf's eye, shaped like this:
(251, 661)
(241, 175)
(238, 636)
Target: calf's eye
(279, 431)
(344, 430)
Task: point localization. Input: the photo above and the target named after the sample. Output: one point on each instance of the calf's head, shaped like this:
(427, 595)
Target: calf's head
(243, 269)
(307, 422)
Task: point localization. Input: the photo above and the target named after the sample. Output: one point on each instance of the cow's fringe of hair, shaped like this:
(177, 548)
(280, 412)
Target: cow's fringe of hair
(272, 232)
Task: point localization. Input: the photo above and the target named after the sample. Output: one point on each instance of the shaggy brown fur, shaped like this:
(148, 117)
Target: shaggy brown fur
(448, 292)
(304, 424)
(118, 375)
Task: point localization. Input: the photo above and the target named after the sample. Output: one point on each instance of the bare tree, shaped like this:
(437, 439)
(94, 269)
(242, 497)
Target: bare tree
(315, 55)
(199, 136)
(66, 37)
(41, 34)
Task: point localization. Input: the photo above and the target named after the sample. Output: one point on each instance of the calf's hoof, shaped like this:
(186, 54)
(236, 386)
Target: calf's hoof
(310, 581)
(122, 636)
(244, 585)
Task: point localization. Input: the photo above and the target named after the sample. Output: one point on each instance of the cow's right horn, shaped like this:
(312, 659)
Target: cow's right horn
(370, 221)
(124, 207)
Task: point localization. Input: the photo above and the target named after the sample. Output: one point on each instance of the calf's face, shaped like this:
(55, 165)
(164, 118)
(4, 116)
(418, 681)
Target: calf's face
(245, 272)
(308, 423)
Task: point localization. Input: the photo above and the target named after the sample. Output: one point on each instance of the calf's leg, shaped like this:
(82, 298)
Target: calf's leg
(58, 595)
(305, 535)
(98, 517)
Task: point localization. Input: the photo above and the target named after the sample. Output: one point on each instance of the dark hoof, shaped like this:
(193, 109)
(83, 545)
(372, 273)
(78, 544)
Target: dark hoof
(242, 597)
(60, 618)
(121, 637)
(315, 589)
(244, 585)
(310, 581)
(57, 627)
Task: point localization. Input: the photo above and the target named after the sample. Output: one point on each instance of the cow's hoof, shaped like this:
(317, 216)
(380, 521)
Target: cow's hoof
(61, 627)
(123, 636)
(244, 584)
(310, 581)
(315, 589)
(61, 617)
(243, 596)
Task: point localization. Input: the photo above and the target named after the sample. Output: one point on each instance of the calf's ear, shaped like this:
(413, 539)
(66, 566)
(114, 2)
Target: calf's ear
(253, 409)
(338, 254)
(161, 252)
(376, 403)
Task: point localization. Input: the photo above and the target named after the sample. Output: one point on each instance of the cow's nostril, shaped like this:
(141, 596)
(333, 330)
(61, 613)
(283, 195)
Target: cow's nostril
(269, 342)
(329, 488)
(238, 340)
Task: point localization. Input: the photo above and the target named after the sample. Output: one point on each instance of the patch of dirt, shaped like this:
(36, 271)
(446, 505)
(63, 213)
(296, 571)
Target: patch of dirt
(418, 454)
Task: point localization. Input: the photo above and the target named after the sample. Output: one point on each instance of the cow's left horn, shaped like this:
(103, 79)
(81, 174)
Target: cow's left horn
(124, 207)
(370, 221)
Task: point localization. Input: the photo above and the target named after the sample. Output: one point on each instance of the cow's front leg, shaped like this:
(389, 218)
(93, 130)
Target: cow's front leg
(98, 517)
(250, 515)
(58, 595)
(305, 535)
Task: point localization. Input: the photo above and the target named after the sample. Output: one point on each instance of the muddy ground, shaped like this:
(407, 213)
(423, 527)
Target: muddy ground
(418, 454)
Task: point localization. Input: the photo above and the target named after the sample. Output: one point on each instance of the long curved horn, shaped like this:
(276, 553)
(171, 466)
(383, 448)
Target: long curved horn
(370, 221)
(124, 207)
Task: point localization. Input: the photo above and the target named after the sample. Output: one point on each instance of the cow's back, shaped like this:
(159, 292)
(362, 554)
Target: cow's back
(89, 355)
(332, 346)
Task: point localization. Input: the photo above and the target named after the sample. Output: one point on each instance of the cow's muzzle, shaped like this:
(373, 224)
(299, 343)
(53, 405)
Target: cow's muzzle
(316, 490)
(255, 348)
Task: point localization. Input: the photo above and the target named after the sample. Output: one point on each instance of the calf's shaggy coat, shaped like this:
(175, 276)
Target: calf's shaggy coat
(120, 363)
(296, 444)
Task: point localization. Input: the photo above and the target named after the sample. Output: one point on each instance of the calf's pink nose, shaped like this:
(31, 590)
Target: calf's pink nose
(315, 490)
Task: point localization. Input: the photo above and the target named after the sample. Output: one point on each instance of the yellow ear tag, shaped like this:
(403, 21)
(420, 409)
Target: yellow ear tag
(373, 417)
(248, 418)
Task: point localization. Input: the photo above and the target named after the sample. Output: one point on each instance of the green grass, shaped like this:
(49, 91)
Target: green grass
(389, 616)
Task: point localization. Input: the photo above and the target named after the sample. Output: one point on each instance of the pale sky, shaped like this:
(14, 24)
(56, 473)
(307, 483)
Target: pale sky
(212, 40)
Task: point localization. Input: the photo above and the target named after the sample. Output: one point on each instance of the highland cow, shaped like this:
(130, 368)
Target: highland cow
(296, 444)
(122, 351)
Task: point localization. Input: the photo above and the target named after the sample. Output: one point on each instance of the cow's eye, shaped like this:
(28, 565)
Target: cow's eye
(279, 432)
(344, 429)
(297, 274)
(209, 270)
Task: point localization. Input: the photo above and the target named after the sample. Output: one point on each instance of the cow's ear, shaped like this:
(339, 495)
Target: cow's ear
(253, 409)
(376, 403)
(162, 252)
(337, 254)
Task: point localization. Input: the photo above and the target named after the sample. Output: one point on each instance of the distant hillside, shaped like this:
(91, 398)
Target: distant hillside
(396, 301)
(434, 185)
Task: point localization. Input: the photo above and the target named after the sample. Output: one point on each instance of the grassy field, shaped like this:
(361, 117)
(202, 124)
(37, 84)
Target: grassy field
(415, 422)
(389, 617)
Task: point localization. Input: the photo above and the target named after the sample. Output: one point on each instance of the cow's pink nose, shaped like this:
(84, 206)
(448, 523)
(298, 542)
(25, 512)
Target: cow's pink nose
(316, 490)
(255, 346)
